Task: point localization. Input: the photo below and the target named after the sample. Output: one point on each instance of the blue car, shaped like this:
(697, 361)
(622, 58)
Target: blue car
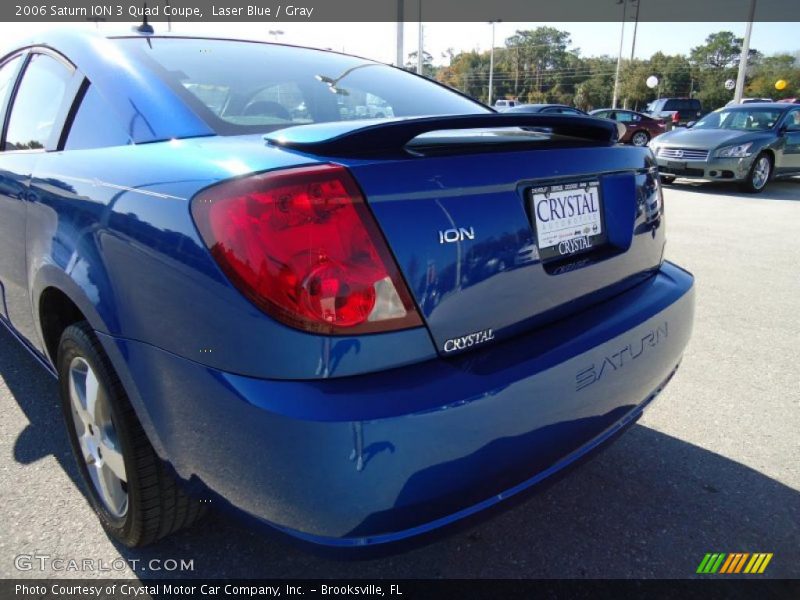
(257, 294)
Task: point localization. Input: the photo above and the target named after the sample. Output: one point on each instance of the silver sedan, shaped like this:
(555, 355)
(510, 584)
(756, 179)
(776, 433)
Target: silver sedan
(749, 143)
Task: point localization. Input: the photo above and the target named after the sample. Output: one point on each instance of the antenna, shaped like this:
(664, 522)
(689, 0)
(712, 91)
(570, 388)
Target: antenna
(169, 17)
(145, 27)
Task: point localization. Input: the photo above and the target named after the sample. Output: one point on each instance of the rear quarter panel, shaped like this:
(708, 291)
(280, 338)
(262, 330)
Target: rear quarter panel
(112, 228)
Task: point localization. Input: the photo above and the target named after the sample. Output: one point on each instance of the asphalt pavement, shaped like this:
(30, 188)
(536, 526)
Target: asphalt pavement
(713, 466)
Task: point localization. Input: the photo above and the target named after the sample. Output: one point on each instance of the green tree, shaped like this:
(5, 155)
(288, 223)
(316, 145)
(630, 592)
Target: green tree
(539, 66)
(594, 84)
(428, 69)
(772, 69)
(675, 75)
(632, 83)
(715, 62)
(469, 73)
(540, 59)
(593, 93)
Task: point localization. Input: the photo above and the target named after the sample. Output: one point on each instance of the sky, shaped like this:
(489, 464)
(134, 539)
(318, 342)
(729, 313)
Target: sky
(377, 40)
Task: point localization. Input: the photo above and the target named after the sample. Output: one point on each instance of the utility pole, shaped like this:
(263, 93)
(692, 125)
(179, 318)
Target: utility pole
(419, 41)
(619, 56)
(737, 95)
(399, 59)
(635, 27)
(491, 62)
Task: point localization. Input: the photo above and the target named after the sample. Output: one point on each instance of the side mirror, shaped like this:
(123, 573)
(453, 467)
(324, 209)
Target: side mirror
(690, 124)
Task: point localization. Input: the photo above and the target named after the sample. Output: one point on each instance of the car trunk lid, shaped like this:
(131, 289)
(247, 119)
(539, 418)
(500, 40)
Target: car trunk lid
(458, 211)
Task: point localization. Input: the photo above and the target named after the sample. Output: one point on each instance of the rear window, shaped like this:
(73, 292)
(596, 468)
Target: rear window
(680, 104)
(690, 105)
(95, 125)
(752, 119)
(248, 87)
(626, 117)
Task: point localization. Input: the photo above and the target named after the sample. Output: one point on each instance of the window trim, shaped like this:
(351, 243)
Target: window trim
(71, 109)
(80, 97)
(53, 142)
(12, 92)
(785, 120)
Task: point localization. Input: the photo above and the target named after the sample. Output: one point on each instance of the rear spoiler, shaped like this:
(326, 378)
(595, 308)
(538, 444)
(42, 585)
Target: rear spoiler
(352, 138)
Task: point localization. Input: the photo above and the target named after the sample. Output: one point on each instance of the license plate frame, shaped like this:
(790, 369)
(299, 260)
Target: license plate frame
(580, 226)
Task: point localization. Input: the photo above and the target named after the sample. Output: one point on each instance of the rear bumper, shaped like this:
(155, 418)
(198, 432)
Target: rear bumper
(717, 169)
(379, 457)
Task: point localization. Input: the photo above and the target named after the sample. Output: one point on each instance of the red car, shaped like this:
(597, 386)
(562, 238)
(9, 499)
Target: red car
(639, 128)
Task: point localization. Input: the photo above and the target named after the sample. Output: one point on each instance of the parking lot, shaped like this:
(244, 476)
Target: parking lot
(712, 466)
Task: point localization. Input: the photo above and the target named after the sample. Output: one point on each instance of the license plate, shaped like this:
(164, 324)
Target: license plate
(568, 218)
(673, 164)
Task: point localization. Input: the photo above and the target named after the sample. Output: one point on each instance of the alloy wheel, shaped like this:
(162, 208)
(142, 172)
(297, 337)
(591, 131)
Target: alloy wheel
(761, 172)
(97, 437)
(639, 138)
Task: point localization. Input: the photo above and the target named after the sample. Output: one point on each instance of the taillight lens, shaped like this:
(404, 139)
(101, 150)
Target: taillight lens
(302, 245)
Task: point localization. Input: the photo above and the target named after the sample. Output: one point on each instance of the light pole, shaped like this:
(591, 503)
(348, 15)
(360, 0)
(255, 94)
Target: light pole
(737, 95)
(491, 62)
(419, 41)
(399, 40)
(635, 27)
(619, 57)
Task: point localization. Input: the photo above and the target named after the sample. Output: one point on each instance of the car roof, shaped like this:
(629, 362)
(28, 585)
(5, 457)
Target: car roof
(154, 111)
(752, 105)
(627, 110)
(59, 36)
(543, 106)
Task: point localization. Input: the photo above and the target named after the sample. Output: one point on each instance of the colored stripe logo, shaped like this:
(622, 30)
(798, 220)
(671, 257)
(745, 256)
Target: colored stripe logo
(736, 562)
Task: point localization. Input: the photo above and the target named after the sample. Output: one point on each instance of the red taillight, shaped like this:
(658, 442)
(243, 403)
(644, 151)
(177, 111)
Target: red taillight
(302, 245)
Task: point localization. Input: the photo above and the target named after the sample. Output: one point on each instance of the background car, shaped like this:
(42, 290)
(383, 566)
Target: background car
(639, 128)
(790, 100)
(747, 143)
(748, 101)
(252, 292)
(503, 104)
(552, 109)
(678, 111)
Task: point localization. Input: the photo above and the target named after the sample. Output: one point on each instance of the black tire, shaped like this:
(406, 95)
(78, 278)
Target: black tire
(640, 138)
(756, 181)
(156, 506)
(667, 179)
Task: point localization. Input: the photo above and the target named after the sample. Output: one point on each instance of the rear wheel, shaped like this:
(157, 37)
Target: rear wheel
(640, 138)
(759, 174)
(135, 498)
(667, 179)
